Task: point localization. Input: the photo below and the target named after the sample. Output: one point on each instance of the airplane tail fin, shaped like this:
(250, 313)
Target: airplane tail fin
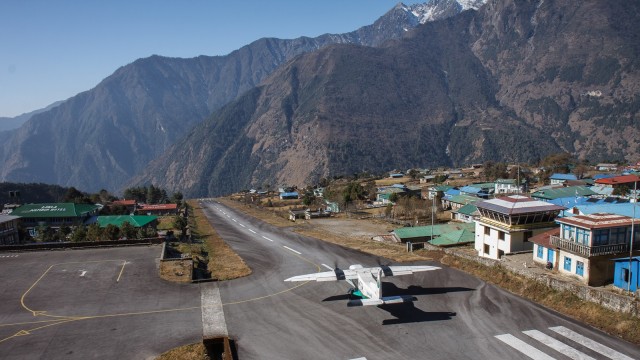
(382, 301)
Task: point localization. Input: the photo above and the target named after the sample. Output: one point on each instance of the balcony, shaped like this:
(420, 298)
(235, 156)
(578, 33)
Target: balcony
(589, 251)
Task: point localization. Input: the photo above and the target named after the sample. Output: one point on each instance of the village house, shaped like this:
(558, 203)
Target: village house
(606, 167)
(506, 224)
(509, 186)
(157, 209)
(585, 246)
(624, 183)
(559, 179)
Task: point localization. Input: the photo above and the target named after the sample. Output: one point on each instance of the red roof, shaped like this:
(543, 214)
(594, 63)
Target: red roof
(622, 179)
(124, 202)
(543, 238)
(157, 207)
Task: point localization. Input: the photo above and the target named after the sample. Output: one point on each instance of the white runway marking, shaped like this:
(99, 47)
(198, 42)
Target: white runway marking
(558, 345)
(290, 249)
(242, 225)
(8, 256)
(252, 231)
(266, 238)
(83, 272)
(593, 345)
(328, 267)
(234, 220)
(523, 347)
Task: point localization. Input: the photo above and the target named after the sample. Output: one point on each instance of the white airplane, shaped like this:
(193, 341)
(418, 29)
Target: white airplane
(367, 282)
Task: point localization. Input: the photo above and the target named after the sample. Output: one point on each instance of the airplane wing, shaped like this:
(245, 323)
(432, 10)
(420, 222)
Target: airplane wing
(351, 274)
(335, 275)
(403, 270)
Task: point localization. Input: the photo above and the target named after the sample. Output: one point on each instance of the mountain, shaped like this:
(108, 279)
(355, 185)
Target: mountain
(102, 137)
(513, 81)
(10, 123)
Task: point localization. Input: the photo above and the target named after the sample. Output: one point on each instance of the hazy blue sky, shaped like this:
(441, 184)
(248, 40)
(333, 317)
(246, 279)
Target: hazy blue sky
(53, 49)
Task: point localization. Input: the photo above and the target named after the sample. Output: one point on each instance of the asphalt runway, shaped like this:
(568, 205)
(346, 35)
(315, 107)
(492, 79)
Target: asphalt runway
(456, 316)
(93, 304)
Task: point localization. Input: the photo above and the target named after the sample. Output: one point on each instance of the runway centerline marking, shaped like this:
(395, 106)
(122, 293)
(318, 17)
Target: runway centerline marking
(266, 238)
(290, 249)
(242, 225)
(253, 231)
(328, 267)
(83, 272)
(234, 220)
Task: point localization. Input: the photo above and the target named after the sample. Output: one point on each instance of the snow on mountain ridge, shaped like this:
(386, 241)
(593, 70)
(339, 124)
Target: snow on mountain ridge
(436, 9)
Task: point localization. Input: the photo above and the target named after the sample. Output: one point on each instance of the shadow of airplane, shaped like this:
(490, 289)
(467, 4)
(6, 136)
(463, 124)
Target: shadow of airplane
(407, 313)
(390, 289)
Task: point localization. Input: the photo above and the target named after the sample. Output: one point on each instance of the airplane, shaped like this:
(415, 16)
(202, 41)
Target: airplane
(367, 282)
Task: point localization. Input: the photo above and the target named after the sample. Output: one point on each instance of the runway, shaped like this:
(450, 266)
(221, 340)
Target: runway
(456, 316)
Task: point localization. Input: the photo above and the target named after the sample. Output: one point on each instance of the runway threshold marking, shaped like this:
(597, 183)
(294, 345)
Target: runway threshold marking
(558, 345)
(523, 347)
(290, 249)
(593, 345)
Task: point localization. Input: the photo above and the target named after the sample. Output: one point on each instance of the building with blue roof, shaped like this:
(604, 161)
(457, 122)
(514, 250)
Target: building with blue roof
(561, 178)
(626, 209)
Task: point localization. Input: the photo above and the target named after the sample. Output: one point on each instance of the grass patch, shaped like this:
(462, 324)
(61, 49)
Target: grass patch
(222, 262)
(195, 351)
(165, 223)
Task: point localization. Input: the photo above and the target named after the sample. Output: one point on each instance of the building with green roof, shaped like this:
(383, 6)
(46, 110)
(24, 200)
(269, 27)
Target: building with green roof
(137, 221)
(53, 215)
(425, 233)
(454, 238)
(465, 213)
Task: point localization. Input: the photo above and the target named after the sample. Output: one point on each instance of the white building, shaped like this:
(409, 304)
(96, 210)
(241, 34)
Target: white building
(506, 224)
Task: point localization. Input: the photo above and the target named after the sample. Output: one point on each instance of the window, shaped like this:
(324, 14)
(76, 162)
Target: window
(527, 235)
(600, 237)
(487, 230)
(580, 268)
(567, 263)
(500, 235)
(486, 249)
(540, 251)
(568, 232)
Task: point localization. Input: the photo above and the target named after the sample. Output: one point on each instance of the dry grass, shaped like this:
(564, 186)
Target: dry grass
(165, 222)
(391, 181)
(195, 351)
(226, 264)
(176, 270)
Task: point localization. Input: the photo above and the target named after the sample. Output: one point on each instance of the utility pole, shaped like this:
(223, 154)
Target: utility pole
(633, 220)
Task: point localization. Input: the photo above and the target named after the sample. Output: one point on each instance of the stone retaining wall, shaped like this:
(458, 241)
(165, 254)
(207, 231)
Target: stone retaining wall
(610, 300)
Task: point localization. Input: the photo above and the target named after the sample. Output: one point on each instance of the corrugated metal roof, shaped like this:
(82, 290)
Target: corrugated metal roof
(438, 230)
(626, 209)
(517, 204)
(563, 177)
(118, 220)
(459, 237)
(561, 192)
(468, 209)
(623, 179)
(53, 210)
(464, 199)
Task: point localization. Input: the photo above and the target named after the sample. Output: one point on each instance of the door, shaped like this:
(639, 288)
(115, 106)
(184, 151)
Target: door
(550, 255)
